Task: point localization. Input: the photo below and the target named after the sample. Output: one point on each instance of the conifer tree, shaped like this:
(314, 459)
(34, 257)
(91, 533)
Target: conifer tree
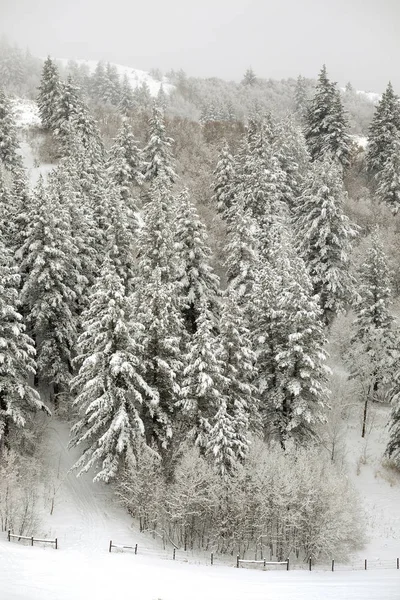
(241, 253)
(9, 156)
(324, 235)
(289, 345)
(49, 293)
(158, 157)
(112, 394)
(49, 91)
(238, 367)
(388, 178)
(373, 350)
(203, 382)
(249, 78)
(224, 176)
(127, 101)
(301, 97)
(198, 283)
(384, 128)
(393, 447)
(17, 354)
(326, 128)
(157, 311)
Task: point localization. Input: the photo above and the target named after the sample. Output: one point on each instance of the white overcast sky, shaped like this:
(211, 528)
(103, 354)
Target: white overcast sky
(359, 40)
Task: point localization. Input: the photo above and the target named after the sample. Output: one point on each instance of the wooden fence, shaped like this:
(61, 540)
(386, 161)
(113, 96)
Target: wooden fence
(31, 539)
(265, 563)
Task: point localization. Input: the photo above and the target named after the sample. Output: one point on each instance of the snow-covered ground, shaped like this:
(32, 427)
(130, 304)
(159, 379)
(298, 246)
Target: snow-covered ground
(136, 77)
(45, 574)
(378, 485)
(26, 112)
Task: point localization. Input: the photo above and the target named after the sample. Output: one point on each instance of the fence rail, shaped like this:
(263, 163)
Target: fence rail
(31, 539)
(223, 559)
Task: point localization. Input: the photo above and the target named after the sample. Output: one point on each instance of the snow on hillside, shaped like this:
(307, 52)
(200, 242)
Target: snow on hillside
(136, 77)
(26, 112)
(378, 485)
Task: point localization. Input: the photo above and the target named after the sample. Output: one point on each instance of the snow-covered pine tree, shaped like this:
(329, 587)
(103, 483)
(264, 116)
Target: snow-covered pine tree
(249, 78)
(71, 117)
(290, 148)
(203, 382)
(9, 156)
(301, 97)
(373, 348)
(238, 367)
(121, 237)
(155, 305)
(300, 395)
(48, 293)
(324, 235)
(127, 102)
(384, 128)
(125, 166)
(288, 342)
(326, 129)
(158, 158)
(112, 394)
(393, 447)
(198, 283)
(49, 91)
(224, 176)
(388, 177)
(156, 242)
(17, 354)
(241, 252)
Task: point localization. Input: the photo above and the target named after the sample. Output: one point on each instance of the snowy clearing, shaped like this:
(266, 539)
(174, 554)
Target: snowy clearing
(26, 113)
(46, 574)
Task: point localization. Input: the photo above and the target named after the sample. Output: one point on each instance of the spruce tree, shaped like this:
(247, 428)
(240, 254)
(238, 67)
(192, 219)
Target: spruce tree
(393, 447)
(203, 382)
(288, 341)
(49, 91)
(324, 235)
(384, 128)
(157, 311)
(127, 101)
(17, 354)
(326, 129)
(49, 293)
(9, 156)
(241, 252)
(301, 97)
(112, 394)
(388, 178)
(224, 177)
(198, 283)
(373, 349)
(159, 162)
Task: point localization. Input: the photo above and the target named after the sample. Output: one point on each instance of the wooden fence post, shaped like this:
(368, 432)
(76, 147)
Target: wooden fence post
(9, 536)
(309, 563)
(365, 564)
(135, 548)
(287, 566)
(237, 561)
(265, 561)
(212, 558)
(397, 561)
(109, 548)
(32, 540)
(56, 544)
(173, 555)
(333, 565)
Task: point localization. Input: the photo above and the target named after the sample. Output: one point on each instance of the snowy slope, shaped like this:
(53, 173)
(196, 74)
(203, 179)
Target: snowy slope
(378, 486)
(135, 76)
(26, 113)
